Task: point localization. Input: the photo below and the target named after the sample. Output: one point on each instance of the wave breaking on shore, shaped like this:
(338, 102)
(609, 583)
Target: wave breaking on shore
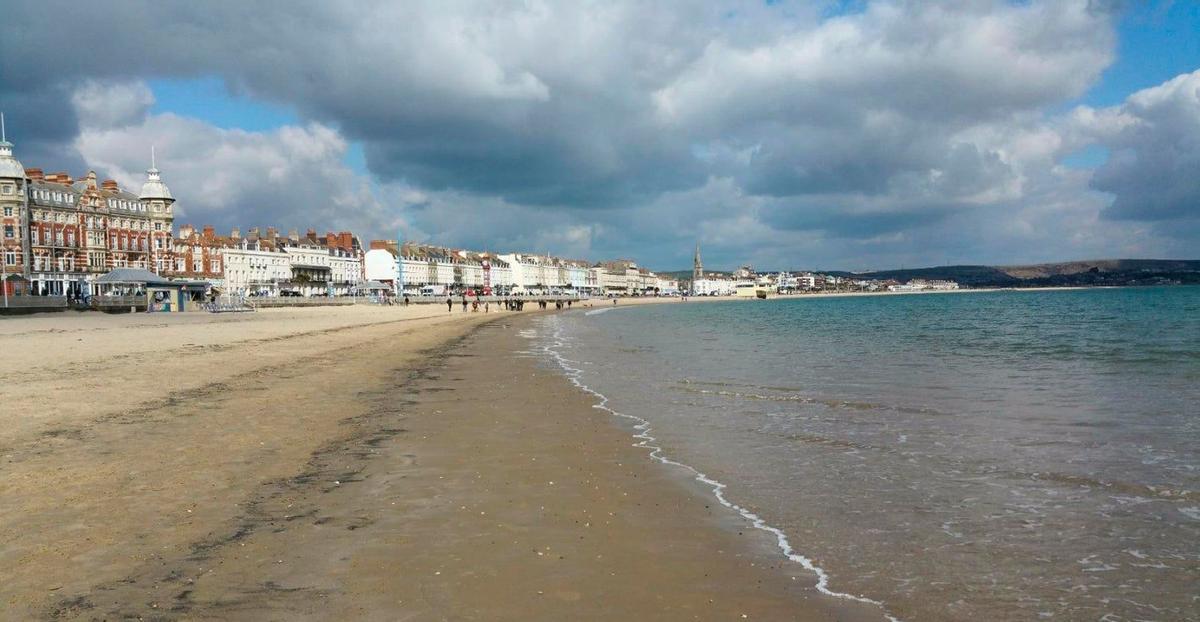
(647, 441)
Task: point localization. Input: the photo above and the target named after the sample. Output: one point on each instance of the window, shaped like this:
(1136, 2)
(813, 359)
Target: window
(158, 226)
(10, 258)
(9, 232)
(7, 189)
(8, 210)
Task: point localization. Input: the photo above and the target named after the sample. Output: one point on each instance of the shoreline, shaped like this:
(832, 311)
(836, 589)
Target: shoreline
(422, 468)
(643, 433)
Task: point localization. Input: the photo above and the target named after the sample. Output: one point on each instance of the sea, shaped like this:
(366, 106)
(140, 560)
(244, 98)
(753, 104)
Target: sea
(1007, 455)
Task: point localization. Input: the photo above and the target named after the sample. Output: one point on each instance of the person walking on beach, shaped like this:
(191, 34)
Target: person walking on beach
(406, 300)
(464, 301)
(449, 304)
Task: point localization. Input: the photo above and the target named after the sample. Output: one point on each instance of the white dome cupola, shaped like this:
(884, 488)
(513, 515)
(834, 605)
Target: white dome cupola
(10, 168)
(154, 189)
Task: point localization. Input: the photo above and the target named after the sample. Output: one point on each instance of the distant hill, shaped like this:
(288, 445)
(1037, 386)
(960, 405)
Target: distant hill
(973, 276)
(1067, 273)
(1098, 272)
(685, 275)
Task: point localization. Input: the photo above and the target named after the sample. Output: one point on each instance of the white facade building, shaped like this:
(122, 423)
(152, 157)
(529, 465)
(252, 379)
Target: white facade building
(320, 271)
(380, 265)
(251, 271)
(713, 286)
(497, 274)
(347, 271)
(668, 287)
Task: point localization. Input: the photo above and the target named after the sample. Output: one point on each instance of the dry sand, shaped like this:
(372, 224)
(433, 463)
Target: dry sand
(346, 463)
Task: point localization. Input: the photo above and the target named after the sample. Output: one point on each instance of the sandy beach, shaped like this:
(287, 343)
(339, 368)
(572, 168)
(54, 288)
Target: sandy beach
(347, 463)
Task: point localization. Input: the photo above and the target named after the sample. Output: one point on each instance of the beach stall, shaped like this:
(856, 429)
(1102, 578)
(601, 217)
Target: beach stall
(376, 291)
(136, 289)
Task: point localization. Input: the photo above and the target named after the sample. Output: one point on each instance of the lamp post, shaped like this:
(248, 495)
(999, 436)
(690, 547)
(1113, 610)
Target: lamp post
(399, 264)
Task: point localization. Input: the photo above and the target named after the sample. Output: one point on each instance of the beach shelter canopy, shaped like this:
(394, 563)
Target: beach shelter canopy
(373, 286)
(134, 276)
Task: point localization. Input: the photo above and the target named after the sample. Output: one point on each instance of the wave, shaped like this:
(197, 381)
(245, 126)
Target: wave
(803, 399)
(1145, 491)
(645, 440)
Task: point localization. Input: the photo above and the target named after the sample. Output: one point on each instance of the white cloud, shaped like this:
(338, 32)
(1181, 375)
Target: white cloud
(288, 177)
(1153, 169)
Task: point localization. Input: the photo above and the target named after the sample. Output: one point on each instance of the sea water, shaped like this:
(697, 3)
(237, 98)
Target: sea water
(987, 456)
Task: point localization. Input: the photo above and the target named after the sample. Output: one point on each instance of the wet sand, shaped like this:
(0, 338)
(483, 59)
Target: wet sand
(349, 464)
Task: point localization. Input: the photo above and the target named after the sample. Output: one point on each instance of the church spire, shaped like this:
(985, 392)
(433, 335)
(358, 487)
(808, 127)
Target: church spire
(697, 266)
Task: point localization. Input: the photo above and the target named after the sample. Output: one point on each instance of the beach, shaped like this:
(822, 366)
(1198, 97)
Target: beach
(351, 462)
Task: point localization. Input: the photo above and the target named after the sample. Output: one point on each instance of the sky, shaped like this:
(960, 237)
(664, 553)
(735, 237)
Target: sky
(856, 135)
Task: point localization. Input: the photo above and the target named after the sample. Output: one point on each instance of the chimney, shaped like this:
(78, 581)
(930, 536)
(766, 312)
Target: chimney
(186, 231)
(253, 233)
(35, 174)
(346, 241)
(330, 239)
(109, 185)
(63, 178)
(236, 233)
(209, 233)
(91, 180)
(293, 235)
(311, 234)
(272, 233)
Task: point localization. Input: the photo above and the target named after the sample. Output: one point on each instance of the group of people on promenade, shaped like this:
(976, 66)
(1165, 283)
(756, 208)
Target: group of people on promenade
(509, 304)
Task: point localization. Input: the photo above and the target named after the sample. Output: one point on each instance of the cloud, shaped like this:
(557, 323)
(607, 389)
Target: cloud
(293, 176)
(1153, 138)
(112, 105)
(773, 132)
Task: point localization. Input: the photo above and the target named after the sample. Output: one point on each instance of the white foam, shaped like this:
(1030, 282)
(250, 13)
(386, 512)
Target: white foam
(646, 441)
